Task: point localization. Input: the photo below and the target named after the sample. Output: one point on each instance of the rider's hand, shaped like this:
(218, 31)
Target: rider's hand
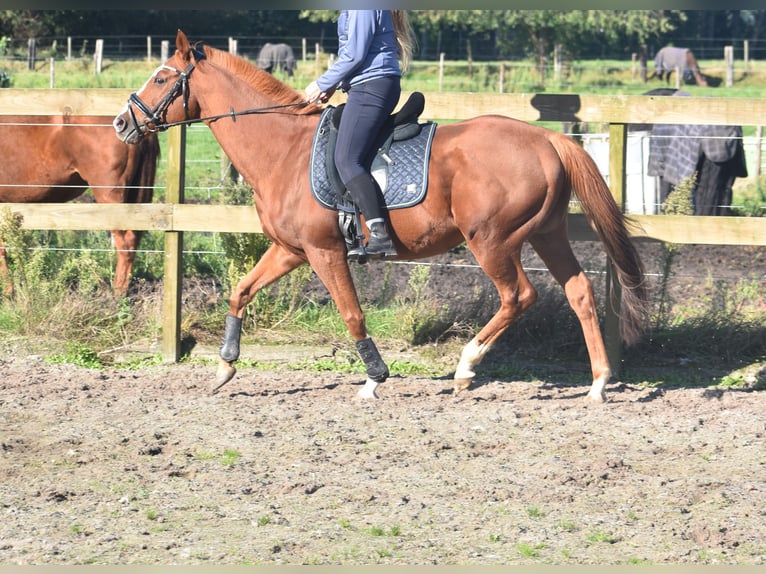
(316, 95)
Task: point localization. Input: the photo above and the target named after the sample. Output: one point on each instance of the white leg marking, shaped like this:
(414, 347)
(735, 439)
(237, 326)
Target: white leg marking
(368, 390)
(472, 353)
(597, 393)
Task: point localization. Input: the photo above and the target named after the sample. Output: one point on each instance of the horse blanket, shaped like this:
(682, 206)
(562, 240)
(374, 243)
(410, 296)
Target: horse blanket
(274, 57)
(714, 152)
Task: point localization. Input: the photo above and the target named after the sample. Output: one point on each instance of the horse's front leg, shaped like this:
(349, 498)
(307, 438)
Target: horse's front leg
(332, 268)
(125, 244)
(275, 263)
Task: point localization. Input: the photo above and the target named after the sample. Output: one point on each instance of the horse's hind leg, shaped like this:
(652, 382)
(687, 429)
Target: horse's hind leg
(555, 250)
(5, 276)
(516, 295)
(275, 263)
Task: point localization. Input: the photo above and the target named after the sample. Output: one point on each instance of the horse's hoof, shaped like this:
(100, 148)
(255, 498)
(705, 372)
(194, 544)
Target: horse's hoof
(225, 373)
(462, 385)
(597, 397)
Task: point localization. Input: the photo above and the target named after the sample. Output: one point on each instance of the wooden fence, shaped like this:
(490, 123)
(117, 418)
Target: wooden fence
(173, 217)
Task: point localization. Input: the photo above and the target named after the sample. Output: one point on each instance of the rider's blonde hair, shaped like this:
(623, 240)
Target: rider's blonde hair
(404, 36)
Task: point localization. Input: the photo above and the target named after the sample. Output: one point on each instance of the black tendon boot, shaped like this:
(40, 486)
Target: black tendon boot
(380, 244)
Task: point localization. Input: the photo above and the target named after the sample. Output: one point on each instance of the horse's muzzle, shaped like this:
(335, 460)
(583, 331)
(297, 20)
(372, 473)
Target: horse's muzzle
(128, 131)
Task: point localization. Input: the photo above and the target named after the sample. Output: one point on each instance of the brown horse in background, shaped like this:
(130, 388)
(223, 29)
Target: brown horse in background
(54, 159)
(493, 183)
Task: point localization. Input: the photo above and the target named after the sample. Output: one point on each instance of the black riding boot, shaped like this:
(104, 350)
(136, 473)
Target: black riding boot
(364, 191)
(380, 244)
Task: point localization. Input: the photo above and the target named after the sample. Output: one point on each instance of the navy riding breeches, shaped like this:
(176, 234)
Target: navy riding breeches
(368, 106)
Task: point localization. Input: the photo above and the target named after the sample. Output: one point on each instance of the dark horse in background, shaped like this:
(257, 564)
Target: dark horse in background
(494, 183)
(54, 159)
(273, 57)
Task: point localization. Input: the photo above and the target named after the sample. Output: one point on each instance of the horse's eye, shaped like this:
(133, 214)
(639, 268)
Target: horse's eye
(159, 81)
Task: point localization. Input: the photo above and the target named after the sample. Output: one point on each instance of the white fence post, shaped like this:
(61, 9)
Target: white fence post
(98, 56)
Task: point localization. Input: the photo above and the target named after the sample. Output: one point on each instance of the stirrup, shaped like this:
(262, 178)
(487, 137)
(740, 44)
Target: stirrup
(357, 253)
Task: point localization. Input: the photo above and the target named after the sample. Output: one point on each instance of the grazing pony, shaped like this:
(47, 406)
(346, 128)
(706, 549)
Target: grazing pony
(493, 183)
(54, 159)
(669, 59)
(273, 57)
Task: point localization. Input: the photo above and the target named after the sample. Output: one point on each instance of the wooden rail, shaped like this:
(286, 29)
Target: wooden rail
(174, 217)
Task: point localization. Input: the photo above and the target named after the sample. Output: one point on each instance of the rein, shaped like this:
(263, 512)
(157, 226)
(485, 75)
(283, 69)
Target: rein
(181, 88)
(231, 114)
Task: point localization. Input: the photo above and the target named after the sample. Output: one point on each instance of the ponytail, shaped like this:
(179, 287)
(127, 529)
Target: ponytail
(404, 36)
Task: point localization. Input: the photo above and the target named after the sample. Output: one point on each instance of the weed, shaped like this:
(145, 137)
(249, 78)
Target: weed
(530, 551)
(151, 514)
(679, 202)
(567, 526)
(534, 512)
(602, 537)
(263, 520)
(77, 354)
(230, 456)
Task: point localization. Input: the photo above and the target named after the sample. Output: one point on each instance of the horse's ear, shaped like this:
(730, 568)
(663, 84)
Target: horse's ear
(182, 44)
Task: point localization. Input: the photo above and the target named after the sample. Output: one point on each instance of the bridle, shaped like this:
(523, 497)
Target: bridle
(154, 116)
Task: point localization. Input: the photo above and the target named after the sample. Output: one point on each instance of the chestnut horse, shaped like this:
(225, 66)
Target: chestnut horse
(493, 183)
(54, 159)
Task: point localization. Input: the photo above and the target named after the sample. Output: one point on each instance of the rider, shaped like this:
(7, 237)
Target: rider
(370, 45)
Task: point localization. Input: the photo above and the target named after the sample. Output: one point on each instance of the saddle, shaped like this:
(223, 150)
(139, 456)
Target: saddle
(399, 164)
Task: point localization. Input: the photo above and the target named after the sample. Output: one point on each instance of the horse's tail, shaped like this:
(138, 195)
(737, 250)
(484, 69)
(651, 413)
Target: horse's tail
(141, 186)
(611, 226)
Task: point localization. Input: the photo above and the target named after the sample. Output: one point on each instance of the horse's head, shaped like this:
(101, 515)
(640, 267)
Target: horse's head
(163, 99)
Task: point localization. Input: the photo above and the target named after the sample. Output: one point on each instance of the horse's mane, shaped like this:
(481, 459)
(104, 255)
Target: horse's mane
(260, 80)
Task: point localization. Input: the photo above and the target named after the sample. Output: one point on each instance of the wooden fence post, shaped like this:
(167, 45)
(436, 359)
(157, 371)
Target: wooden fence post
(618, 144)
(441, 71)
(502, 77)
(173, 266)
(31, 53)
(642, 58)
(728, 55)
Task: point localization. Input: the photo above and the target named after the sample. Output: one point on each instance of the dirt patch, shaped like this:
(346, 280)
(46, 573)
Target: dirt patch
(144, 466)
